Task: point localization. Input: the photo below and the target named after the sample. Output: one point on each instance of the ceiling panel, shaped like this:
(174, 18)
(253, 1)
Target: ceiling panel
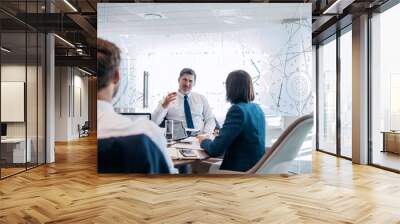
(168, 18)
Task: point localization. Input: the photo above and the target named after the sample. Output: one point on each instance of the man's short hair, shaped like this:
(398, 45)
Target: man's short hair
(187, 71)
(108, 60)
(239, 87)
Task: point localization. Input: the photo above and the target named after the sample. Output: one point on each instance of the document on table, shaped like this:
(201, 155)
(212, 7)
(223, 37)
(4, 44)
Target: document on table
(176, 153)
(173, 153)
(187, 146)
(189, 140)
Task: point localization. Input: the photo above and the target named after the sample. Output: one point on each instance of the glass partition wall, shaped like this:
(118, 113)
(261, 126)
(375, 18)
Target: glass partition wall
(345, 61)
(327, 95)
(22, 88)
(334, 99)
(334, 116)
(385, 89)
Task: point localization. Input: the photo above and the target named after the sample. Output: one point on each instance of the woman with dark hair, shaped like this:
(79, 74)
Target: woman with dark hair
(242, 137)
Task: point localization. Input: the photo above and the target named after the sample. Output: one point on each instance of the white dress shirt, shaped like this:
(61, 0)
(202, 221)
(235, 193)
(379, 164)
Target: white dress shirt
(202, 116)
(112, 124)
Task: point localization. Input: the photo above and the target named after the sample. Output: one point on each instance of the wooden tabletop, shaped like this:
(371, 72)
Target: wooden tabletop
(178, 162)
(203, 155)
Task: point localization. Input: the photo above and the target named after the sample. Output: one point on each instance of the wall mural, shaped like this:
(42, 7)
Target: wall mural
(281, 70)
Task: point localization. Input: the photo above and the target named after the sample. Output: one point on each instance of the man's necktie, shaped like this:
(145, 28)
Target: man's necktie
(188, 113)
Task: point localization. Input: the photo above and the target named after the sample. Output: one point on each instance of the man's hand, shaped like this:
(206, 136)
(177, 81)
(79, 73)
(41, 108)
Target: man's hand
(169, 99)
(201, 138)
(203, 154)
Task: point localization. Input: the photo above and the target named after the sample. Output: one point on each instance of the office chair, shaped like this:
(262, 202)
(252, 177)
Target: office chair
(280, 155)
(84, 129)
(130, 154)
(162, 125)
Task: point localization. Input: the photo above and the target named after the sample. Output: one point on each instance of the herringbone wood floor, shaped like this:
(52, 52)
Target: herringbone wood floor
(70, 191)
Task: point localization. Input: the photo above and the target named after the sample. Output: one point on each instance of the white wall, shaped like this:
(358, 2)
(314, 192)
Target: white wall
(71, 102)
(12, 73)
(61, 103)
(274, 49)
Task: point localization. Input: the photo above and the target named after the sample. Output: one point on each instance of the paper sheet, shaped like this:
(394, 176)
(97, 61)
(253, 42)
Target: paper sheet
(175, 154)
(190, 140)
(187, 146)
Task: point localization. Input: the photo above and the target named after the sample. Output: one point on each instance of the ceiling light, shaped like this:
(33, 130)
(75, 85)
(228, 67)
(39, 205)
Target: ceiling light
(86, 72)
(152, 16)
(65, 41)
(5, 50)
(226, 12)
(70, 5)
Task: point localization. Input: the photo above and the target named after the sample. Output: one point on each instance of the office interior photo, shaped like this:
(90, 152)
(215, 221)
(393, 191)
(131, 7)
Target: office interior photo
(346, 169)
(164, 39)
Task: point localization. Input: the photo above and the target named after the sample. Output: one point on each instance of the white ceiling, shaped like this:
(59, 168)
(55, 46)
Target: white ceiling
(127, 18)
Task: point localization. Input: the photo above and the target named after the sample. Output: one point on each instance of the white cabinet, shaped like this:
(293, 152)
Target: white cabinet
(19, 155)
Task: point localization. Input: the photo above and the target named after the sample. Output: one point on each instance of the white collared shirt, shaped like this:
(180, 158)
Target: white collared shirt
(112, 124)
(202, 116)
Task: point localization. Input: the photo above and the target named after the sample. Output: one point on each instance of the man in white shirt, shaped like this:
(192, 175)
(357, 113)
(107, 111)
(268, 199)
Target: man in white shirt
(189, 107)
(113, 125)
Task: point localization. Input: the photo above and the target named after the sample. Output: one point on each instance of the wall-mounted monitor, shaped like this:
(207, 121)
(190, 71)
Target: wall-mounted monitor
(3, 129)
(12, 101)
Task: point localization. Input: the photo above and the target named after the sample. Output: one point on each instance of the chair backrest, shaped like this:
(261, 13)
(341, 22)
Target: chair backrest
(130, 154)
(217, 125)
(86, 125)
(279, 157)
(162, 125)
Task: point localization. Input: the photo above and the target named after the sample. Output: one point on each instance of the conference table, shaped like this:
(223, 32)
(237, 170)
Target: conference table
(192, 144)
(391, 141)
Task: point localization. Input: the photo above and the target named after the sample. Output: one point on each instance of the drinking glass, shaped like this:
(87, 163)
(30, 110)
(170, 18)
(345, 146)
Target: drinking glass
(169, 130)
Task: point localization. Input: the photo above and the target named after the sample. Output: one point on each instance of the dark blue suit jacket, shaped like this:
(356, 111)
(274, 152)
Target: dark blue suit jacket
(130, 154)
(242, 138)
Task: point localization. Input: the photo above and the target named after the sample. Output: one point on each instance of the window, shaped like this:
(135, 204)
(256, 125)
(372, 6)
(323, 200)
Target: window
(327, 96)
(22, 76)
(346, 94)
(385, 87)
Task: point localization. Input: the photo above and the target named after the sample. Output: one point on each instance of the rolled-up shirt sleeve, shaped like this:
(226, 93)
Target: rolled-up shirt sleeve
(209, 118)
(159, 114)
